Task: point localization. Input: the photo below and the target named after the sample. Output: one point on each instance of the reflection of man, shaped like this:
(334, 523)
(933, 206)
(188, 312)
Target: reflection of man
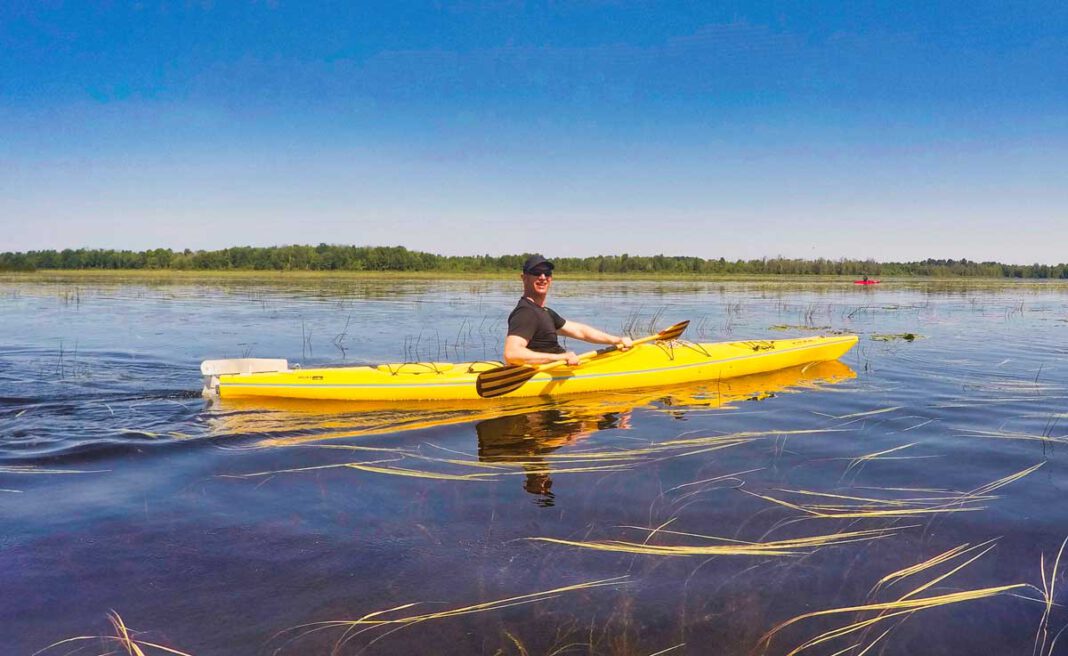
(526, 437)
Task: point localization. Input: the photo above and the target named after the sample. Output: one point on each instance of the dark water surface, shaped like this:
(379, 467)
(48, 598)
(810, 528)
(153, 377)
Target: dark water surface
(581, 525)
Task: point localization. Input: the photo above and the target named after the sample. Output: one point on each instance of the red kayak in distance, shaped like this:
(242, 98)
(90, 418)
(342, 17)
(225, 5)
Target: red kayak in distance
(866, 282)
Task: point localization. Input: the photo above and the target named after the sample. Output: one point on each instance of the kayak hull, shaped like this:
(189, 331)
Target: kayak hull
(647, 365)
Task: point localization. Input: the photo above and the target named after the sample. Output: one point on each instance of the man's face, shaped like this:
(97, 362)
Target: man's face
(538, 279)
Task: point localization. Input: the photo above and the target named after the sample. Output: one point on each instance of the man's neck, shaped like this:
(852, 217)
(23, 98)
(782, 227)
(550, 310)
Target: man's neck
(536, 300)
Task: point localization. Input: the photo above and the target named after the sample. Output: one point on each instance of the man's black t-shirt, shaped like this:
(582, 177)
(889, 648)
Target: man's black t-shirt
(537, 325)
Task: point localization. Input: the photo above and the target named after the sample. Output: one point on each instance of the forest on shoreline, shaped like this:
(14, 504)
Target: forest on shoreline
(329, 257)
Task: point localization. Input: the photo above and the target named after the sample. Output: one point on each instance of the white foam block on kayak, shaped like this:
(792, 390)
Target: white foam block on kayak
(242, 366)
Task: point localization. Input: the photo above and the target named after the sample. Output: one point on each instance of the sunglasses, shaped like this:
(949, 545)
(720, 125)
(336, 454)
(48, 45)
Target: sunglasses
(537, 273)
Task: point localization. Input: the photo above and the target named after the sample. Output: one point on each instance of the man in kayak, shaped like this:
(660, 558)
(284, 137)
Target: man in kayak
(533, 328)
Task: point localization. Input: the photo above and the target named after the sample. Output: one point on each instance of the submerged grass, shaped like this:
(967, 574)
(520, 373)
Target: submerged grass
(34, 469)
(871, 614)
(1044, 644)
(573, 462)
(789, 547)
(124, 638)
(853, 507)
(859, 462)
(391, 619)
(902, 607)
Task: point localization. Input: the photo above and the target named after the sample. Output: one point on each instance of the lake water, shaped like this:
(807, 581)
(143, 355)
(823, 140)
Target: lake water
(684, 521)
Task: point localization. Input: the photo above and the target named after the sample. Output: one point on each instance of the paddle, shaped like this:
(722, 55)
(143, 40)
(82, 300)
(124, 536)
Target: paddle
(510, 377)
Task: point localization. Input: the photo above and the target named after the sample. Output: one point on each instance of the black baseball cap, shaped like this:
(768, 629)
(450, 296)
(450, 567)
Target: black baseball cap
(535, 261)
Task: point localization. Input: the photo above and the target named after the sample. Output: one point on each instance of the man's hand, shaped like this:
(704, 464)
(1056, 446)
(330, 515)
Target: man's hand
(624, 343)
(572, 359)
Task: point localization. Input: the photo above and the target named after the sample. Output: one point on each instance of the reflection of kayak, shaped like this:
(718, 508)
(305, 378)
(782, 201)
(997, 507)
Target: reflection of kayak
(287, 422)
(866, 282)
(648, 365)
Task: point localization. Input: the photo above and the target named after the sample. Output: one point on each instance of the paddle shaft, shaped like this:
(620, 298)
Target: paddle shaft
(589, 355)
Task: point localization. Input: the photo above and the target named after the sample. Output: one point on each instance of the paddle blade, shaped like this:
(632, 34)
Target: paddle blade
(673, 332)
(502, 380)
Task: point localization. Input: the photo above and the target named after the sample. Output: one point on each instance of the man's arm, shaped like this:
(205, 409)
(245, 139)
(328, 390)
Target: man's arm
(592, 335)
(516, 352)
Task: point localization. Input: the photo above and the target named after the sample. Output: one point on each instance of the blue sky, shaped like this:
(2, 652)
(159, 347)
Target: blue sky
(892, 130)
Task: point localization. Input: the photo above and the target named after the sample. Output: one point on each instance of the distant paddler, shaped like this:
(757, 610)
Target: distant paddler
(533, 327)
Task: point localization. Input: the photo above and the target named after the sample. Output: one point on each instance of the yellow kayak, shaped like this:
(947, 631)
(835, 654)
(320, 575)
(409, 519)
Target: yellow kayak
(652, 364)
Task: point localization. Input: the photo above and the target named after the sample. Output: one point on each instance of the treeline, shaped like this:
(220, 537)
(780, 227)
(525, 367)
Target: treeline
(327, 257)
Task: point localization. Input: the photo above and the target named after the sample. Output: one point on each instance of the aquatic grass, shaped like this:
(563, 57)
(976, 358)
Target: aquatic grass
(1019, 386)
(505, 460)
(575, 462)
(708, 484)
(540, 468)
(859, 461)
(124, 638)
(903, 606)
(373, 427)
(370, 467)
(919, 425)
(351, 629)
(871, 508)
(417, 473)
(785, 327)
(857, 415)
(897, 608)
(674, 448)
(1043, 643)
(668, 650)
(635, 323)
(988, 402)
(35, 470)
(945, 556)
(1007, 435)
(1002, 482)
(874, 501)
(788, 547)
(524, 465)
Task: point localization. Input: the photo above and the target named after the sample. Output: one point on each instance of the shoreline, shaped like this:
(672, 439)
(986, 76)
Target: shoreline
(250, 275)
